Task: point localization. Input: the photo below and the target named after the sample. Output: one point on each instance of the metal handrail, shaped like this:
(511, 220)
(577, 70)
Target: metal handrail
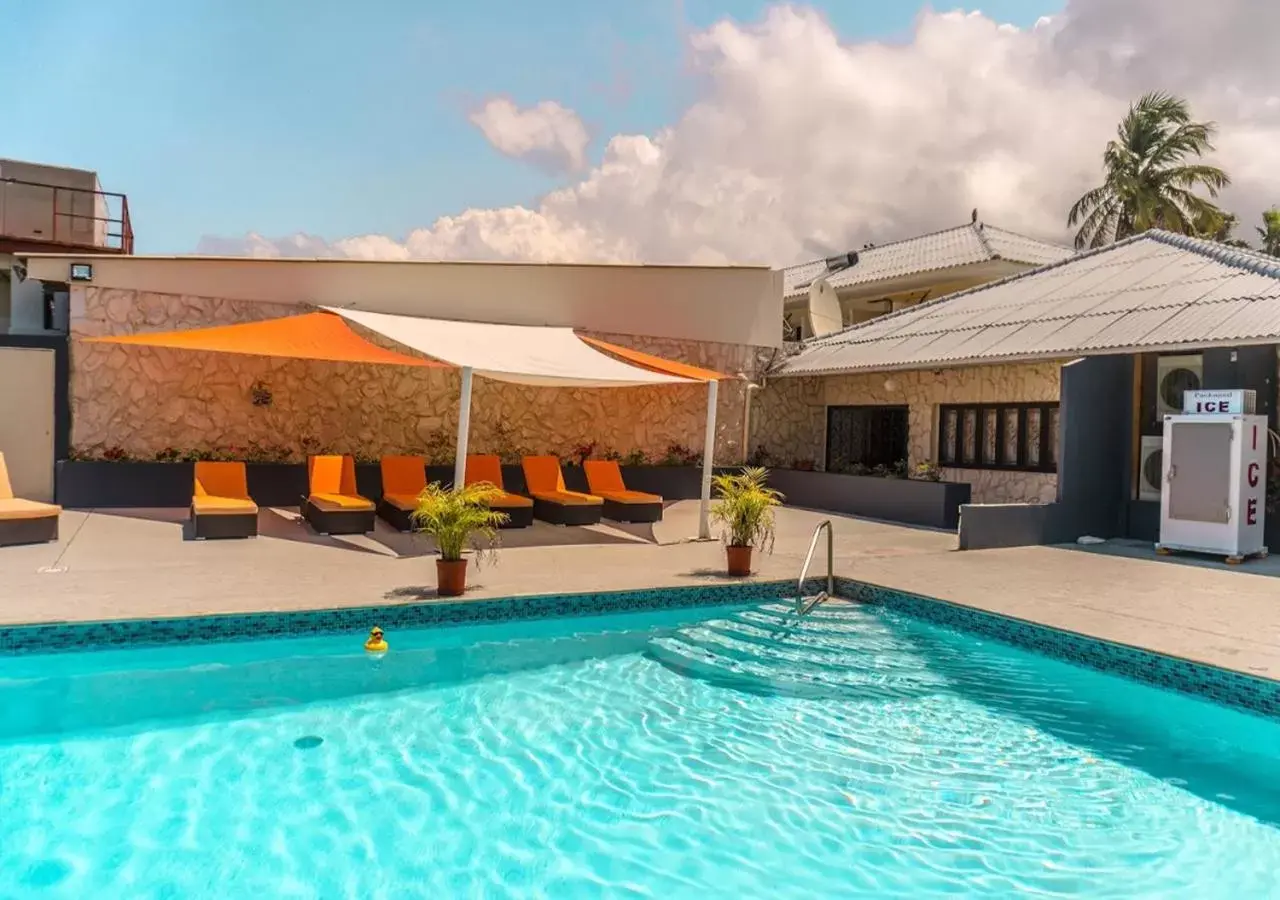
(107, 229)
(801, 607)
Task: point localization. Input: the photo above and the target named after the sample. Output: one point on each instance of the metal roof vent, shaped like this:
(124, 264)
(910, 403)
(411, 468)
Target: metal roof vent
(841, 261)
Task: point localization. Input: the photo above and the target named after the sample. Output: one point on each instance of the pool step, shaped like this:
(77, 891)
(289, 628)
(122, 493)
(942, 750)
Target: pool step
(838, 653)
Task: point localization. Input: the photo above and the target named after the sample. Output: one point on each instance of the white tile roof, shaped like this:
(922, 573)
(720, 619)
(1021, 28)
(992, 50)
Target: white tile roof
(1155, 290)
(968, 244)
(796, 278)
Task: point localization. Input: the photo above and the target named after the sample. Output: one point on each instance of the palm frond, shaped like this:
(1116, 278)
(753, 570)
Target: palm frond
(1211, 178)
(1146, 183)
(744, 506)
(459, 517)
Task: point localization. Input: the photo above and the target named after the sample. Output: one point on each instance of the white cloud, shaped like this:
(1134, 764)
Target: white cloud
(547, 135)
(800, 144)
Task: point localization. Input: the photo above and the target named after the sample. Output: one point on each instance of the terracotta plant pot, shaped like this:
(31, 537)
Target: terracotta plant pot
(739, 560)
(451, 577)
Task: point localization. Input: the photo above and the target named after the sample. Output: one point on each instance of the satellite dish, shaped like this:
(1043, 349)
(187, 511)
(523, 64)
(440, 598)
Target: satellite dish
(825, 316)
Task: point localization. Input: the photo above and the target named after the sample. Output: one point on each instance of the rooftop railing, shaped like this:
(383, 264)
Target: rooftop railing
(36, 216)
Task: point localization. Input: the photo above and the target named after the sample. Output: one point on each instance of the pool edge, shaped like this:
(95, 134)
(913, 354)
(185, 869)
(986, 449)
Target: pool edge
(1228, 687)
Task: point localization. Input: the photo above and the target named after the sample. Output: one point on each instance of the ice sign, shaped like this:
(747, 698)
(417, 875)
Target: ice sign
(1223, 403)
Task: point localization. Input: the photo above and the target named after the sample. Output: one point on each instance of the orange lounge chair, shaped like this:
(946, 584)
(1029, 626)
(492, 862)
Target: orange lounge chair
(519, 509)
(220, 503)
(404, 478)
(604, 478)
(551, 502)
(334, 506)
(24, 521)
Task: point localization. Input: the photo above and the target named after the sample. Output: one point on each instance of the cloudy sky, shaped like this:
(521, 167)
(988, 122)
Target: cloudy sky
(674, 132)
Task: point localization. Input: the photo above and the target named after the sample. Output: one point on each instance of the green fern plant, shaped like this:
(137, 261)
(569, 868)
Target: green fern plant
(744, 506)
(460, 518)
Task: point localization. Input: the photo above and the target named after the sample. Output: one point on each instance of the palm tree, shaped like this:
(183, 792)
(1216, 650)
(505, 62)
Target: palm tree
(1148, 182)
(1223, 231)
(1270, 231)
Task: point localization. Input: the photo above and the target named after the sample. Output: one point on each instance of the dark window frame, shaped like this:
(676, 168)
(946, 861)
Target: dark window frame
(954, 458)
(872, 409)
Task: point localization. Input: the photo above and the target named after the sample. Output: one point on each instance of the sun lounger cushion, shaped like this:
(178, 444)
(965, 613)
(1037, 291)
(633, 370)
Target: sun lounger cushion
(14, 508)
(546, 482)
(406, 502)
(605, 479)
(333, 485)
(488, 469)
(404, 478)
(340, 502)
(223, 506)
(221, 488)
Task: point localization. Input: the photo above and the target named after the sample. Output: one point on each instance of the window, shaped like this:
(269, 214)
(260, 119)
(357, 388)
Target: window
(1017, 436)
(863, 437)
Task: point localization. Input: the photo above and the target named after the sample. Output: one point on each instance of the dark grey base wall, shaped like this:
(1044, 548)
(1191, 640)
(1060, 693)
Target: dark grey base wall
(1028, 525)
(935, 504)
(108, 485)
(117, 485)
(1143, 520)
(984, 527)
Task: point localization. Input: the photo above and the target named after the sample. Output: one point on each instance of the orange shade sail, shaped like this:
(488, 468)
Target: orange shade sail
(315, 335)
(654, 363)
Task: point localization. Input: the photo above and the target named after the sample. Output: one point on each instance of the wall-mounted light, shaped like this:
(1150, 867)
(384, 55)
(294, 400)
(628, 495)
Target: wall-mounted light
(81, 272)
(890, 385)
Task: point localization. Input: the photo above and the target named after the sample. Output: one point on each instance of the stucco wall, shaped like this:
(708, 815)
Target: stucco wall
(726, 304)
(143, 400)
(789, 416)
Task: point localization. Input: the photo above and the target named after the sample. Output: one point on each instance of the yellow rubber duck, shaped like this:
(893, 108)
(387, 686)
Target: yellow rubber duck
(376, 642)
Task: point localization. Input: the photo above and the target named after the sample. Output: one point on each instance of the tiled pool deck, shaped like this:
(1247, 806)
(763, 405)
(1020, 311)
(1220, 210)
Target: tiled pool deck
(136, 565)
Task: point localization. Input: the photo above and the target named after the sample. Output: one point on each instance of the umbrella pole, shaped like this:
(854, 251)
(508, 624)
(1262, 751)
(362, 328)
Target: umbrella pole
(464, 429)
(708, 460)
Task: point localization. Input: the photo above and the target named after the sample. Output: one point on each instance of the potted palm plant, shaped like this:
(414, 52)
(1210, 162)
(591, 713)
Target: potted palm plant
(745, 508)
(458, 519)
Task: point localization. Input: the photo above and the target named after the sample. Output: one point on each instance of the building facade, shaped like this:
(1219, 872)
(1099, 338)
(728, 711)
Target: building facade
(1045, 391)
(156, 403)
(826, 295)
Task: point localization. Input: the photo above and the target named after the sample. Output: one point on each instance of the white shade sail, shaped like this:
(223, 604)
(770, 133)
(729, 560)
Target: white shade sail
(524, 354)
(528, 354)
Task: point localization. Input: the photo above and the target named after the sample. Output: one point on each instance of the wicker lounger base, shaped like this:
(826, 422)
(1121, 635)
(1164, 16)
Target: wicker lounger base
(632, 512)
(566, 513)
(517, 516)
(397, 518)
(28, 531)
(224, 525)
(340, 521)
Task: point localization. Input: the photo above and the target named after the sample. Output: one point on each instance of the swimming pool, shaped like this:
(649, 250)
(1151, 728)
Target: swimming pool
(715, 752)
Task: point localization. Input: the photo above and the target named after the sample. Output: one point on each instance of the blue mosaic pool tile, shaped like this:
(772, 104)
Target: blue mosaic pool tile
(1229, 688)
(1248, 692)
(80, 636)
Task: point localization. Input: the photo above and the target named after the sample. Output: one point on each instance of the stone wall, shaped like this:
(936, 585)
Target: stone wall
(789, 416)
(143, 400)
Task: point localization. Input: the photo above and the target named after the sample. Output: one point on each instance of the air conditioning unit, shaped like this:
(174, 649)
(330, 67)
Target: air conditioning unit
(1214, 489)
(1151, 467)
(1175, 375)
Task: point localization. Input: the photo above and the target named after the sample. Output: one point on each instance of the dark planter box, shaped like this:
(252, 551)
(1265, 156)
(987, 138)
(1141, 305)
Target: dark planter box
(668, 482)
(107, 485)
(81, 484)
(935, 504)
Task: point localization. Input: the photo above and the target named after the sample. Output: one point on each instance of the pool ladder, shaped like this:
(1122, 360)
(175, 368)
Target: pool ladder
(804, 606)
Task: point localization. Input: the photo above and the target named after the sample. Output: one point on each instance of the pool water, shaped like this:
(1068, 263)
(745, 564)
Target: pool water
(706, 753)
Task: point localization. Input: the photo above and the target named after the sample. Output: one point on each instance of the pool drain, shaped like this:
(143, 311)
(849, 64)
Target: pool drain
(308, 742)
